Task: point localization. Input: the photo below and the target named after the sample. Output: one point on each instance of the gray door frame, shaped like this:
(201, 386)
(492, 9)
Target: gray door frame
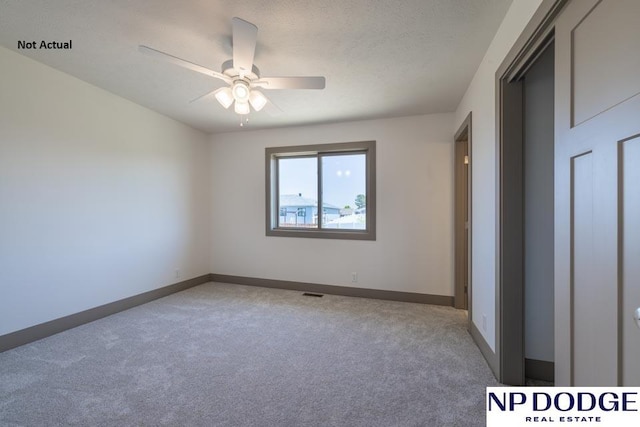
(510, 222)
(463, 135)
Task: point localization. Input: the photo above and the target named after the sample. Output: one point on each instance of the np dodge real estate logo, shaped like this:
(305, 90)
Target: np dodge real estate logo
(586, 406)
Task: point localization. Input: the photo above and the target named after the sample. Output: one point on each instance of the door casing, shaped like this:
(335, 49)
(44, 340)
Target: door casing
(509, 346)
(462, 213)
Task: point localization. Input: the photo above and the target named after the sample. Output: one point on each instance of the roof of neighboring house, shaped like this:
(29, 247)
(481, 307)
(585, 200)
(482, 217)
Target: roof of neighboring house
(296, 200)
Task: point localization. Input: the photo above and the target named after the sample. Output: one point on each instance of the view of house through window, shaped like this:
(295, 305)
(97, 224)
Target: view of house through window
(298, 192)
(343, 189)
(321, 191)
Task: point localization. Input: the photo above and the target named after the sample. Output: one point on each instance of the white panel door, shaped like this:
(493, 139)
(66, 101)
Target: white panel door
(597, 193)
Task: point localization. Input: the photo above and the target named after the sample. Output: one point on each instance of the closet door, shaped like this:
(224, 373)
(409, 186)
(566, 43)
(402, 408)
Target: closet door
(597, 193)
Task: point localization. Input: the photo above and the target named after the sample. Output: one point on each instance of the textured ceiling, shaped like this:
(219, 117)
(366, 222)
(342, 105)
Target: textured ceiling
(380, 58)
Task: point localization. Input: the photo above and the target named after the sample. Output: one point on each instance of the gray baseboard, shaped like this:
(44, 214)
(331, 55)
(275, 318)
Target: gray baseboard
(539, 370)
(489, 355)
(335, 290)
(43, 330)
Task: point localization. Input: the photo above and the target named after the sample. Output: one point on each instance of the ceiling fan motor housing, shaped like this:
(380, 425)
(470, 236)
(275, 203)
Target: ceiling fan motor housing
(228, 70)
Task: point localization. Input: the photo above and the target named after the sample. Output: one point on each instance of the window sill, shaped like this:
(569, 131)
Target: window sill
(323, 234)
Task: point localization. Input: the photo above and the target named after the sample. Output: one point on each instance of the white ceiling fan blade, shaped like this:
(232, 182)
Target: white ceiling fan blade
(182, 63)
(245, 35)
(291, 83)
(272, 109)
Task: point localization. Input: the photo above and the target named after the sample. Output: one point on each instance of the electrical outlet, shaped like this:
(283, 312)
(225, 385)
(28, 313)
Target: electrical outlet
(354, 277)
(484, 322)
(177, 273)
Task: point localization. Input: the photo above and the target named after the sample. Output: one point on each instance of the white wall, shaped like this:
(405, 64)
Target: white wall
(413, 250)
(480, 99)
(100, 199)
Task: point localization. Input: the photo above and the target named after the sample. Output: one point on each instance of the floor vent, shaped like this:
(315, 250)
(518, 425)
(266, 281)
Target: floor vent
(309, 294)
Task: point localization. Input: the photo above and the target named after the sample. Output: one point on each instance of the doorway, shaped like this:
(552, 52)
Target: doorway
(462, 216)
(526, 224)
(538, 233)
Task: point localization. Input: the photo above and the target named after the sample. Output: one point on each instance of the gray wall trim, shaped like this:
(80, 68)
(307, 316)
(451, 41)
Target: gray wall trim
(465, 132)
(336, 290)
(539, 370)
(487, 353)
(43, 330)
(511, 232)
(531, 41)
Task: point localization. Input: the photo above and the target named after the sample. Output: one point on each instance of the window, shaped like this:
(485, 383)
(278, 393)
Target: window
(325, 191)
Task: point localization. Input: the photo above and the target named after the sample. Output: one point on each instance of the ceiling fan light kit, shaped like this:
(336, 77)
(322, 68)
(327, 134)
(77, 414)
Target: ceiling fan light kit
(240, 91)
(224, 96)
(257, 100)
(240, 74)
(242, 108)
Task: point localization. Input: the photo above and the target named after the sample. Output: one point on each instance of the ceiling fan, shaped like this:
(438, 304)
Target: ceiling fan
(241, 76)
